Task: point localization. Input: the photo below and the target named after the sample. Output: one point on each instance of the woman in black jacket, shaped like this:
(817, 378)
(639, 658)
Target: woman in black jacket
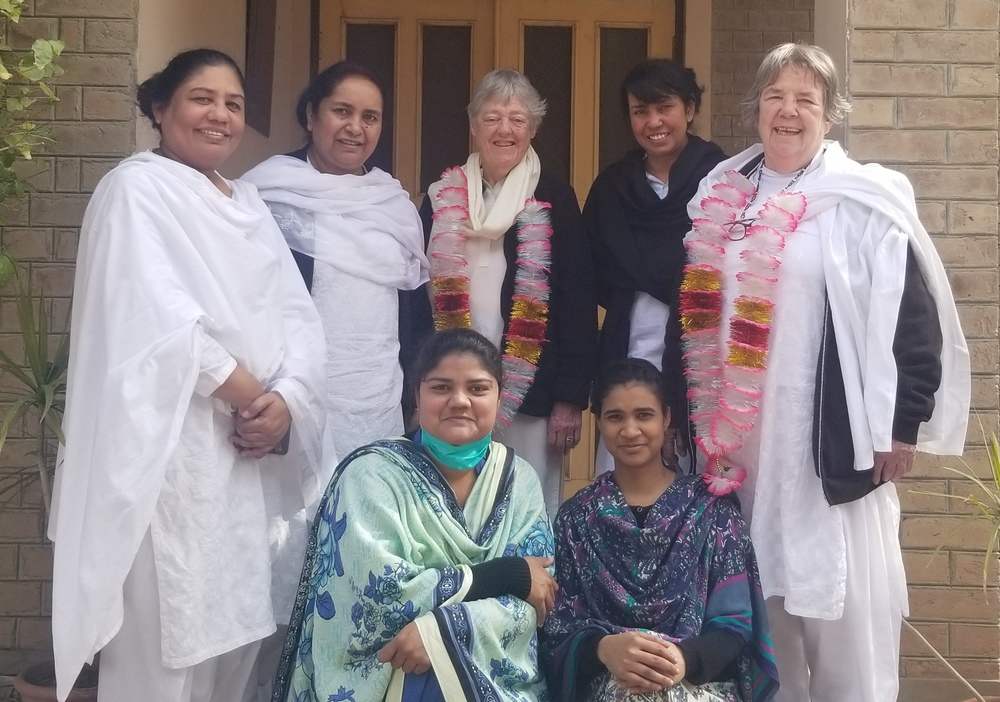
(636, 218)
(509, 258)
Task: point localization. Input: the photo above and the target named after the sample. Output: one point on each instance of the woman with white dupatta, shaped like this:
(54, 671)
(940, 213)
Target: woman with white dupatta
(510, 259)
(822, 349)
(359, 245)
(196, 360)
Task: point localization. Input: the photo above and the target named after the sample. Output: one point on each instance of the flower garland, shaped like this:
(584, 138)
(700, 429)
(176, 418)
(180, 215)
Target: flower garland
(726, 375)
(529, 315)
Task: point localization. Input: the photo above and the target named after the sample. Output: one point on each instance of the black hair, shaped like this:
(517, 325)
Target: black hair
(656, 79)
(454, 341)
(624, 372)
(326, 81)
(160, 87)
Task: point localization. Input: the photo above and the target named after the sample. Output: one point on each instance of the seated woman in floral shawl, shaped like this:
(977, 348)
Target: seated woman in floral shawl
(659, 598)
(425, 576)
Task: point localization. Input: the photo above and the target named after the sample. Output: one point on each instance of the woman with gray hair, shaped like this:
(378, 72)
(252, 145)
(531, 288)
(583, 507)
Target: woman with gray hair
(822, 349)
(509, 259)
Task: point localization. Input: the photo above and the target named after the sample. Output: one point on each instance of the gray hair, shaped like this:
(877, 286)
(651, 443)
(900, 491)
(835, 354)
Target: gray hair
(504, 84)
(805, 56)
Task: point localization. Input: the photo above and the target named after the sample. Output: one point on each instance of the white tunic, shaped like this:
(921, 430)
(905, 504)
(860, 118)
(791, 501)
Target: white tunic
(364, 379)
(781, 492)
(367, 242)
(175, 284)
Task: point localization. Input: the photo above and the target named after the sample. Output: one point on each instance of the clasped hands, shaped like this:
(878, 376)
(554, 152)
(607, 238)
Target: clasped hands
(262, 417)
(642, 661)
(261, 425)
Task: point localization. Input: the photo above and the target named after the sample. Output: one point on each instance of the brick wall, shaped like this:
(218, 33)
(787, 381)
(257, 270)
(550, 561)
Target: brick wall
(93, 126)
(742, 32)
(923, 76)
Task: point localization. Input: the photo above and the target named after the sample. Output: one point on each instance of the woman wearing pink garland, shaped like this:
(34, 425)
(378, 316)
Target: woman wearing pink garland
(823, 349)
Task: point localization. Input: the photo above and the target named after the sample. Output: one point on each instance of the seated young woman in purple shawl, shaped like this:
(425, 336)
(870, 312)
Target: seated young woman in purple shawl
(659, 597)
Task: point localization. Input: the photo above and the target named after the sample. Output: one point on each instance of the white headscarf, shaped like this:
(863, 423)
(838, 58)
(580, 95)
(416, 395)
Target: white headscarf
(363, 225)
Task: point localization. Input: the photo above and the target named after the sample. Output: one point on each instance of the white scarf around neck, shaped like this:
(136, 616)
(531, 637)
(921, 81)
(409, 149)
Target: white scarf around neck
(362, 225)
(518, 186)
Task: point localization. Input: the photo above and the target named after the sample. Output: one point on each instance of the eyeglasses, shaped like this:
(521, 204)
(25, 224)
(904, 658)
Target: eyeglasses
(736, 230)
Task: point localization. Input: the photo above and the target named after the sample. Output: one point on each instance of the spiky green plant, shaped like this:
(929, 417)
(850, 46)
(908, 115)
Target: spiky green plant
(986, 507)
(40, 392)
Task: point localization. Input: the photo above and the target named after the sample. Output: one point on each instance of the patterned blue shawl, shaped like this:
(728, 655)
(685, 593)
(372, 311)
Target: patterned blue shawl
(390, 545)
(689, 569)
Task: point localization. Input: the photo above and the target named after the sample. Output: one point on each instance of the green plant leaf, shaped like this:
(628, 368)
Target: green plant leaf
(7, 268)
(49, 93)
(11, 9)
(994, 453)
(48, 397)
(8, 365)
(4, 73)
(26, 325)
(990, 553)
(13, 413)
(55, 426)
(992, 494)
(60, 362)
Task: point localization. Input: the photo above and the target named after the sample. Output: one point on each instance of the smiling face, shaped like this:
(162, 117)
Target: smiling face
(203, 122)
(345, 127)
(457, 400)
(660, 128)
(501, 133)
(791, 123)
(633, 425)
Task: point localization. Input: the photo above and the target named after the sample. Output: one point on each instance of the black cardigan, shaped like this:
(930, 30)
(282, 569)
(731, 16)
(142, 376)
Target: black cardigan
(917, 349)
(569, 355)
(637, 242)
(415, 320)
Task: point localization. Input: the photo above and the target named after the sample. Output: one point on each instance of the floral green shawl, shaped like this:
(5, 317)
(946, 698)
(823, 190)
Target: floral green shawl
(390, 545)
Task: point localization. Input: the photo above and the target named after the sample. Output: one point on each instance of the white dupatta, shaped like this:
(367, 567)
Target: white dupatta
(363, 225)
(174, 282)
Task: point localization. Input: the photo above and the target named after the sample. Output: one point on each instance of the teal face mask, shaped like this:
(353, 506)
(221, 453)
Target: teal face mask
(461, 457)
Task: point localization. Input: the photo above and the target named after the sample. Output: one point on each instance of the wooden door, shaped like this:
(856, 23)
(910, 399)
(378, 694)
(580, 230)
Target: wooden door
(430, 54)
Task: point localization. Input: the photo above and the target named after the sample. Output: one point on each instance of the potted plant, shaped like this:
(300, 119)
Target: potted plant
(39, 395)
(986, 506)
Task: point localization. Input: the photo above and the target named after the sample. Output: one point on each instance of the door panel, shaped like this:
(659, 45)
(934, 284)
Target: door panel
(431, 53)
(410, 19)
(587, 20)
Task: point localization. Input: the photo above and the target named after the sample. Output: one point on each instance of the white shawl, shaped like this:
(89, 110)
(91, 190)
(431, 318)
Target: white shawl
(363, 225)
(864, 273)
(175, 283)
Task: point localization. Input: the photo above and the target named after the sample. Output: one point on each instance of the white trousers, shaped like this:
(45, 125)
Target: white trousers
(529, 437)
(132, 666)
(266, 668)
(854, 658)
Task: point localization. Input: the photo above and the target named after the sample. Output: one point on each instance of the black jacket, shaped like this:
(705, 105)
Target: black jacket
(414, 314)
(917, 349)
(569, 355)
